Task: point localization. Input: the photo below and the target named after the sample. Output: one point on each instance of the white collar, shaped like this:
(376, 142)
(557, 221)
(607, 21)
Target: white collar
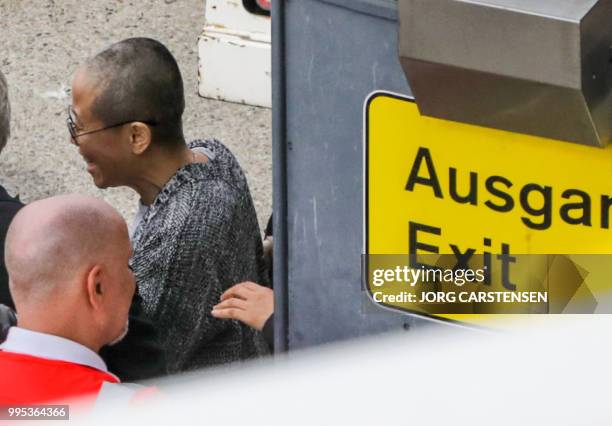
(48, 346)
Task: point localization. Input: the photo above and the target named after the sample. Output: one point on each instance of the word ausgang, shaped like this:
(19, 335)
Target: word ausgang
(535, 200)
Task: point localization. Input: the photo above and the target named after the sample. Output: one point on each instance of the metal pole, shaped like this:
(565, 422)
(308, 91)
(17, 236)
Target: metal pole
(279, 171)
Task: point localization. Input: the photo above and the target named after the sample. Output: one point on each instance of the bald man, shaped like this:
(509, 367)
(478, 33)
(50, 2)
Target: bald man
(67, 260)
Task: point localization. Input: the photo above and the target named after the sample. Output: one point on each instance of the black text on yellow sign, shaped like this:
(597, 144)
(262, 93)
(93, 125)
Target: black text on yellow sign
(440, 187)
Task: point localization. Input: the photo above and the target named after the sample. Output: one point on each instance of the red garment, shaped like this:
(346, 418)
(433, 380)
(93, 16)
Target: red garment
(26, 380)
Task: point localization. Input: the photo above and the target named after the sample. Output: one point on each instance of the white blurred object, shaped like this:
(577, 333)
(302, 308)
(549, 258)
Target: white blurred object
(60, 94)
(554, 371)
(235, 54)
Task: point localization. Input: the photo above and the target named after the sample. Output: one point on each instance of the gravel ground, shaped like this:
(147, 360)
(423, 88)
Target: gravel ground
(42, 43)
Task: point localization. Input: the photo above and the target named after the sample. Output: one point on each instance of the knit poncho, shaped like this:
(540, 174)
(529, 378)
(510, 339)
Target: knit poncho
(198, 238)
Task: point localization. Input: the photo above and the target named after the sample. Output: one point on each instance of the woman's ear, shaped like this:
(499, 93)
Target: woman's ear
(95, 287)
(140, 137)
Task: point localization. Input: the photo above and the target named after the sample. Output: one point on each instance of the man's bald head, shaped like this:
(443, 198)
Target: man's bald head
(138, 79)
(51, 242)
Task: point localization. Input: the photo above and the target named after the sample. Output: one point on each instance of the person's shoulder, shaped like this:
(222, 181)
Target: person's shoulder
(4, 196)
(8, 203)
(24, 364)
(213, 199)
(212, 144)
(201, 193)
(215, 188)
(9, 206)
(193, 208)
(222, 155)
(32, 379)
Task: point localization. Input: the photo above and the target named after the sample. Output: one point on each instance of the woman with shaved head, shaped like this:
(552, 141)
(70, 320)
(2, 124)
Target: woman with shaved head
(196, 231)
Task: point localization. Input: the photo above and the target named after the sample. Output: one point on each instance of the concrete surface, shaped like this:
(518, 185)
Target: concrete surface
(42, 43)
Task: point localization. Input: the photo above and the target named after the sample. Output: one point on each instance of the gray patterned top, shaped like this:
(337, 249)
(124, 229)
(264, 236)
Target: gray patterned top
(198, 238)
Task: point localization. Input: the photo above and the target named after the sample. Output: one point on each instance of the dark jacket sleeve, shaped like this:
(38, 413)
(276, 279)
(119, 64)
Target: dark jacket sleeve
(8, 209)
(138, 356)
(269, 228)
(7, 320)
(268, 332)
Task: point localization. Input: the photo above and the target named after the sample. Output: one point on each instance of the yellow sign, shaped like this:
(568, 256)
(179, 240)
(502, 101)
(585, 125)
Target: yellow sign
(436, 187)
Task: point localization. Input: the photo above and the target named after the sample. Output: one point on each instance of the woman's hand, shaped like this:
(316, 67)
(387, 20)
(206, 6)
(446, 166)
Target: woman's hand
(246, 302)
